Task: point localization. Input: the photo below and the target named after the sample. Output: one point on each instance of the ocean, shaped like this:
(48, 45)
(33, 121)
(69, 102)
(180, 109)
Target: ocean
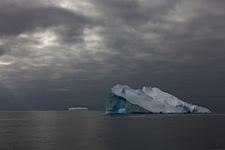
(93, 130)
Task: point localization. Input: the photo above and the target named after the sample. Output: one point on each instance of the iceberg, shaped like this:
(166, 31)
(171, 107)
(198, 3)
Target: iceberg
(125, 100)
(78, 109)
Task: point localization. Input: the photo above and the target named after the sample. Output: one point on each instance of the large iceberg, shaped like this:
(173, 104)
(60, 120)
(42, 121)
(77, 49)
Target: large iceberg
(123, 100)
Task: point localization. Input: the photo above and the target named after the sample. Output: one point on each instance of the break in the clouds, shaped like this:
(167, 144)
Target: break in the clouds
(71, 52)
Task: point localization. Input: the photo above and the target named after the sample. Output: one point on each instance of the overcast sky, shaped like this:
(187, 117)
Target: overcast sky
(60, 54)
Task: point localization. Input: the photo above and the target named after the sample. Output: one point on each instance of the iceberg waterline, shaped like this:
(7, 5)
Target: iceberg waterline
(123, 100)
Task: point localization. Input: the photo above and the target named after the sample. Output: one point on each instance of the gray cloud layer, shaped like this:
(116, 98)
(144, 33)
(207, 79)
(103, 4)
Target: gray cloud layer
(72, 52)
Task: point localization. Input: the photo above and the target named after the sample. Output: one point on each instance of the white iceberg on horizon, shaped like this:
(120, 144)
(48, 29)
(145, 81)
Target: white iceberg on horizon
(78, 109)
(123, 100)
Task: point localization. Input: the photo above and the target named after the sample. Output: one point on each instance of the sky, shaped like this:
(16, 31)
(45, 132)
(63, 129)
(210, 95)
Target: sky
(60, 54)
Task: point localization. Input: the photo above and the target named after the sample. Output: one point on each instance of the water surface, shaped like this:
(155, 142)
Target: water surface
(93, 130)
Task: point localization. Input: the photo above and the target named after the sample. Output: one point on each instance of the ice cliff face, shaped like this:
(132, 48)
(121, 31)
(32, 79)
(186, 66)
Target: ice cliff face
(124, 99)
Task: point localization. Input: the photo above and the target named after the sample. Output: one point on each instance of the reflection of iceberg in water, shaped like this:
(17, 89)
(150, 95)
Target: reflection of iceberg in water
(123, 99)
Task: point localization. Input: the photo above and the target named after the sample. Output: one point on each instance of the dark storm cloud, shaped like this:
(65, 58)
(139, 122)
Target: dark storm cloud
(175, 44)
(2, 50)
(60, 51)
(132, 13)
(16, 19)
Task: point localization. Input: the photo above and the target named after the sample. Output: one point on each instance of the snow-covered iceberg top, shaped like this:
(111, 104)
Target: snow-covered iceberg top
(124, 99)
(78, 109)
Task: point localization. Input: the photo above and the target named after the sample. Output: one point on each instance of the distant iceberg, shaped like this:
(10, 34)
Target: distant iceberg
(123, 100)
(78, 109)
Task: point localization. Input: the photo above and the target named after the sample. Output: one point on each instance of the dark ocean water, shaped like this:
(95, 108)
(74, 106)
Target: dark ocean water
(93, 130)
